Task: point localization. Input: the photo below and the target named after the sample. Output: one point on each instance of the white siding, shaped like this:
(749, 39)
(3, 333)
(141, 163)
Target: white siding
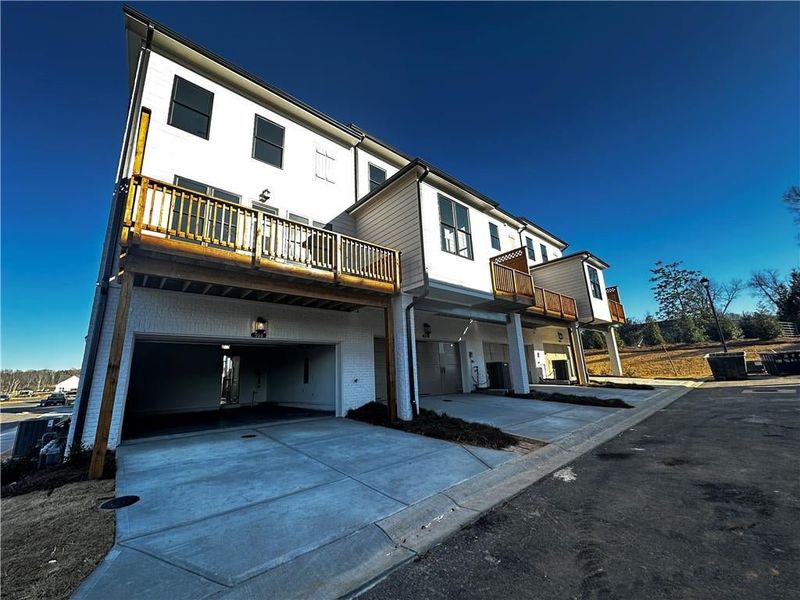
(392, 219)
(457, 270)
(364, 159)
(225, 159)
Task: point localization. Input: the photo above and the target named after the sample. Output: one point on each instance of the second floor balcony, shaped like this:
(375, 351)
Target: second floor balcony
(513, 284)
(615, 306)
(169, 219)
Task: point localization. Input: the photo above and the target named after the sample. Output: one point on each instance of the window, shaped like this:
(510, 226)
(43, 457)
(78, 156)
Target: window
(185, 215)
(594, 280)
(529, 248)
(324, 165)
(325, 226)
(494, 235)
(268, 142)
(376, 176)
(543, 250)
(298, 219)
(454, 225)
(270, 210)
(190, 108)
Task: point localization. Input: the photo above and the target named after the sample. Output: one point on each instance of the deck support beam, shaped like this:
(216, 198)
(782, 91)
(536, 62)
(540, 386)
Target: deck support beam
(112, 377)
(516, 354)
(613, 352)
(578, 354)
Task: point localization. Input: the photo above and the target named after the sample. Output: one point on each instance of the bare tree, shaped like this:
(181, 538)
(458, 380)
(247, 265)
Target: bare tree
(768, 288)
(723, 294)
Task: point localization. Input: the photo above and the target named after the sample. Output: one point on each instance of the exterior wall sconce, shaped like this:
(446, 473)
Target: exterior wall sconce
(560, 337)
(259, 328)
(426, 330)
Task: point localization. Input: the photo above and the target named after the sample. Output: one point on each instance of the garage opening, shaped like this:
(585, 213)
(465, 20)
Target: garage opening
(177, 387)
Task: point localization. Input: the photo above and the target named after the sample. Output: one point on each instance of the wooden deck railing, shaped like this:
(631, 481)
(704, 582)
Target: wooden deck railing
(510, 281)
(617, 311)
(553, 304)
(159, 213)
(614, 305)
(510, 276)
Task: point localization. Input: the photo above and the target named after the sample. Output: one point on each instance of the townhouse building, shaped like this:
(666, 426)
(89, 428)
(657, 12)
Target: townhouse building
(261, 254)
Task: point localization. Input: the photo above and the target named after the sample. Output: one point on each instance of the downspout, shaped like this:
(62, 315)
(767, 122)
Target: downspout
(108, 261)
(410, 337)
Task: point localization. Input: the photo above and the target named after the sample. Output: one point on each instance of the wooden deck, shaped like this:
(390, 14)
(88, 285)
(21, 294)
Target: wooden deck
(164, 218)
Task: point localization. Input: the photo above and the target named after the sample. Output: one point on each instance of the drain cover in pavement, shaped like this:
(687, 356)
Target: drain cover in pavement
(249, 435)
(119, 502)
(770, 391)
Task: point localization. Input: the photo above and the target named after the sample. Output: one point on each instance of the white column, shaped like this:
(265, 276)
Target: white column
(613, 352)
(402, 379)
(580, 357)
(516, 354)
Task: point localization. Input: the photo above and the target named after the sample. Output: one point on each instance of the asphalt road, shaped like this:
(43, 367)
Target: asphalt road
(702, 500)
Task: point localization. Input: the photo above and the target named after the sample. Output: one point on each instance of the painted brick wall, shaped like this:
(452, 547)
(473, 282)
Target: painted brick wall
(195, 317)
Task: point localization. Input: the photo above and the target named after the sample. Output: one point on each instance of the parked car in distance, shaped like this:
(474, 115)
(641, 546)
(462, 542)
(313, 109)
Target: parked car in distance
(71, 395)
(3, 397)
(25, 393)
(54, 399)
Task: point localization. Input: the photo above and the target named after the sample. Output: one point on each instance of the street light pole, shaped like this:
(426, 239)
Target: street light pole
(707, 284)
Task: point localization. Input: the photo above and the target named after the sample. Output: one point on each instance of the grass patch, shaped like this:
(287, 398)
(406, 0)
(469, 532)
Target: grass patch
(621, 386)
(573, 399)
(20, 475)
(432, 424)
(52, 540)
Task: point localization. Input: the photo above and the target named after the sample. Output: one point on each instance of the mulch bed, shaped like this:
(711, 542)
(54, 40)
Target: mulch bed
(20, 476)
(432, 424)
(621, 386)
(573, 399)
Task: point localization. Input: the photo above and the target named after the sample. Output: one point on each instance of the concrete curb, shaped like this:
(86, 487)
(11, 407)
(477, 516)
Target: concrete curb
(426, 524)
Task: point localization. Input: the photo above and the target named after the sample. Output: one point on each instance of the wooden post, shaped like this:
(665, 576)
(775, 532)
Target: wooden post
(112, 376)
(141, 141)
(578, 362)
(391, 392)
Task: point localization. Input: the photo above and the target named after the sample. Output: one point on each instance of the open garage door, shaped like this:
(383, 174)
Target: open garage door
(179, 386)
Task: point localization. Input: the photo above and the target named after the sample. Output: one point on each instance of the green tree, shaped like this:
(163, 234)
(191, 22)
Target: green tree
(592, 339)
(651, 332)
(760, 325)
(689, 331)
(776, 295)
(730, 329)
(677, 291)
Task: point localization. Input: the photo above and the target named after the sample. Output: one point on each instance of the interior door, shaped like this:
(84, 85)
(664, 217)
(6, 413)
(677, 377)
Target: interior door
(439, 368)
(450, 368)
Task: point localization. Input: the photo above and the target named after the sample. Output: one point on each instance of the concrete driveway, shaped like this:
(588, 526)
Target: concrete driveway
(535, 419)
(269, 511)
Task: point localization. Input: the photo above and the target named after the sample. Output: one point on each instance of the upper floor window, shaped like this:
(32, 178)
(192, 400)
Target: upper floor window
(298, 218)
(454, 226)
(324, 165)
(268, 142)
(190, 108)
(594, 280)
(529, 248)
(208, 190)
(376, 176)
(543, 250)
(494, 236)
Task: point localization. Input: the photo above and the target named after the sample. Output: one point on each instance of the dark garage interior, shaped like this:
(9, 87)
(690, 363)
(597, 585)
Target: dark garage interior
(179, 387)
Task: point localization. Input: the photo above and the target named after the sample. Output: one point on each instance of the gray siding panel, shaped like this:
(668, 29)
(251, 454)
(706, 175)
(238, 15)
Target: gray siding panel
(392, 220)
(566, 278)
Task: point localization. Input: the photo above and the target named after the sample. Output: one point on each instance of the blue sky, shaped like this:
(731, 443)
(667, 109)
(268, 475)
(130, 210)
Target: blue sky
(640, 131)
